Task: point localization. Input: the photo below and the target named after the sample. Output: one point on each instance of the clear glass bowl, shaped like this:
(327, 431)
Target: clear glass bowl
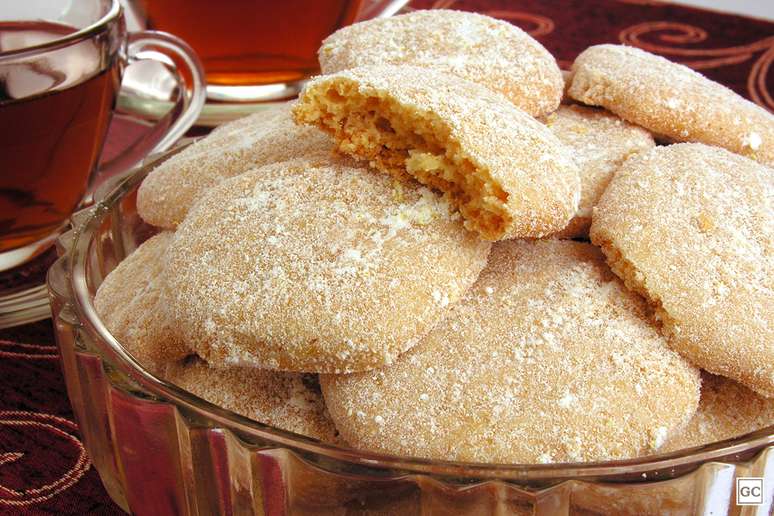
(162, 450)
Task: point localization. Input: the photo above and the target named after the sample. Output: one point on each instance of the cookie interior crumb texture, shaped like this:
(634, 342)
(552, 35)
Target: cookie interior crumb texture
(505, 172)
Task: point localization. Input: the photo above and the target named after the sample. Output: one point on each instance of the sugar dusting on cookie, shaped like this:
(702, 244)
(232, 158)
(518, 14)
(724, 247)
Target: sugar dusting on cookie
(672, 100)
(510, 376)
(600, 142)
(170, 190)
(703, 253)
(131, 302)
(316, 268)
(289, 401)
(479, 48)
(727, 409)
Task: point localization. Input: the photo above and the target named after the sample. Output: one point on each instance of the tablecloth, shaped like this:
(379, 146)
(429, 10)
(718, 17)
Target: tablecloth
(44, 468)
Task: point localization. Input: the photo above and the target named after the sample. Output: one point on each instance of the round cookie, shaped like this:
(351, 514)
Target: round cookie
(600, 142)
(548, 358)
(671, 100)
(317, 268)
(691, 227)
(269, 136)
(289, 401)
(506, 172)
(727, 409)
(131, 303)
(478, 48)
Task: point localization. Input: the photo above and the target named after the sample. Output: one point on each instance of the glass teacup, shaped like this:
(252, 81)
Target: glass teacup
(61, 68)
(256, 50)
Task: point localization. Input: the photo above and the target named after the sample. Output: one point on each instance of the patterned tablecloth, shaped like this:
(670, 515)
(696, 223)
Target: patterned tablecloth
(44, 468)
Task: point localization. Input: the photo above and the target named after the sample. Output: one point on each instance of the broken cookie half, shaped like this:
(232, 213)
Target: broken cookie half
(505, 172)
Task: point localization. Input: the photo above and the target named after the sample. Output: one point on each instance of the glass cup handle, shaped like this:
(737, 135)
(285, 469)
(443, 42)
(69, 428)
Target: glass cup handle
(380, 9)
(181, 60)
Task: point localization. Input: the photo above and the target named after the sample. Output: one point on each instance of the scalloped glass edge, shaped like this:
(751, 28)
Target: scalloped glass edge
(159, 449)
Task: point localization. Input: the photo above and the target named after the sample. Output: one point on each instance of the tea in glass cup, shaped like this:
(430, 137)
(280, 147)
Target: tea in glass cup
(61, 66)
(256, 50)
(54, 115)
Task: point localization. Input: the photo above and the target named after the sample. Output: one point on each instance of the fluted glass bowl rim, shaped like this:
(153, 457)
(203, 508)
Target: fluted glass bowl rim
(87, 223)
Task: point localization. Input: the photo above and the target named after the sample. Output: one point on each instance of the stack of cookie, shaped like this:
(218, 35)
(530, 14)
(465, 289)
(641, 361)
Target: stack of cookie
(388, 262)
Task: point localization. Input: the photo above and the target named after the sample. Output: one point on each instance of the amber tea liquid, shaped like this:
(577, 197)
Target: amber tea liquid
(252, 42)
(49, 142)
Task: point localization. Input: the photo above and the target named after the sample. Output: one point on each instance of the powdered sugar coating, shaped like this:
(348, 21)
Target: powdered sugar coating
(269, 136)
(545, 368)
(515, 151)
(671, 100)
(600, 142)
(478, 48)
(317, 267)
(727, 409)
(289, 401)
(131, 304)
(691, 227)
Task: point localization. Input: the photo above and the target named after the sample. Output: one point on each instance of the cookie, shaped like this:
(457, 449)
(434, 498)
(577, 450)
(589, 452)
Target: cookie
(504, 170)
(288, 401)
(691, 227)
(491, 52)
(600, 142)
(548, 358)
(131, 304)
(727, 409)
(317, 268)
(269, 136)
(671, 100)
